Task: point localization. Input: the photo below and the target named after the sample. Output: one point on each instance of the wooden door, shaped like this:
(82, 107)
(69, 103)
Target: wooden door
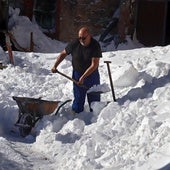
(150, 26)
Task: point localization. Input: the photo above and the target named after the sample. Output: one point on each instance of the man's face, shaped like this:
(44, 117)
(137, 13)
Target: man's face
(84, 38)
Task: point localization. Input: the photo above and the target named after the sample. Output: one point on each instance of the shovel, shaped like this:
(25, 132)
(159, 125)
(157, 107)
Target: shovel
(76, 82)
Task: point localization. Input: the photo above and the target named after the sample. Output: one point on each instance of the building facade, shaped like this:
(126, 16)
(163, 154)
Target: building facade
(60, 19)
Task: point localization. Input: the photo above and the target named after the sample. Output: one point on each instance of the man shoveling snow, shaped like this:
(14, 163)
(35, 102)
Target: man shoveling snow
(86, 53)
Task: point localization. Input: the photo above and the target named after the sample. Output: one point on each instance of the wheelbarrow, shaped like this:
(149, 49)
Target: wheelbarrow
(31, 110)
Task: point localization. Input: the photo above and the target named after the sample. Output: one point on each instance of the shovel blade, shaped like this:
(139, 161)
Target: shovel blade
(96, 92)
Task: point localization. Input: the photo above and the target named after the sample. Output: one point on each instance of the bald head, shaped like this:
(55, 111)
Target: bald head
(84, 30)
(84, 36)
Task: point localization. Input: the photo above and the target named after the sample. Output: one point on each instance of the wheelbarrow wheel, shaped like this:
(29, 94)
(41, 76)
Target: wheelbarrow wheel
(26, 122)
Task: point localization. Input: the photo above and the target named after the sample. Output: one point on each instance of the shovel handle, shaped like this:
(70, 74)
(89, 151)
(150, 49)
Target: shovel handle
(76, 82)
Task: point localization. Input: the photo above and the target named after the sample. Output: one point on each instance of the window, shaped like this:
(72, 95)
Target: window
(45, 13)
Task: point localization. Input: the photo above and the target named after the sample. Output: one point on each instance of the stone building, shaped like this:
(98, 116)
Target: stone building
(60, 19)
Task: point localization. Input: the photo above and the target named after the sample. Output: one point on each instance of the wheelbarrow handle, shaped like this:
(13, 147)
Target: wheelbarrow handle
(62, 105)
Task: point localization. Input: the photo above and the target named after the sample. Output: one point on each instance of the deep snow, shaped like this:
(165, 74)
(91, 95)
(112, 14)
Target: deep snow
(129, 134)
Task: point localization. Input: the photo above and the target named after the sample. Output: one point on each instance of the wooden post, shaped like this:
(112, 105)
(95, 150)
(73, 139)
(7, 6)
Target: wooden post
(9, 48)
(31, 42)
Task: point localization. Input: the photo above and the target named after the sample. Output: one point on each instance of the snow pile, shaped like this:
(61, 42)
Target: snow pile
(21, 28)
(129, 76)
(127, 134)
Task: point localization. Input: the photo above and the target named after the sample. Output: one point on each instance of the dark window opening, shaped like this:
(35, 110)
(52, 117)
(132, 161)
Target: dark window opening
(3, 15)
(150, 22)
(45, 13)
(168, 25)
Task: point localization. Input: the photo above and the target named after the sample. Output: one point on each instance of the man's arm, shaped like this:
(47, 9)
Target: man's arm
(94, 65)
(60, 58)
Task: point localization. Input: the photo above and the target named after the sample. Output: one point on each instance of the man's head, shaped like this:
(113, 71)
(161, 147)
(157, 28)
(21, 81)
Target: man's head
(84, 36)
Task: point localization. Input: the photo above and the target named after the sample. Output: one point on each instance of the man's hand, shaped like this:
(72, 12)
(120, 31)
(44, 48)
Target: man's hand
(81, 80)
(54, 70)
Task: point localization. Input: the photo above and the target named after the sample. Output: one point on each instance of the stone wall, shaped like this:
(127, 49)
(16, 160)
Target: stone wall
(71, 14)
(94, 13)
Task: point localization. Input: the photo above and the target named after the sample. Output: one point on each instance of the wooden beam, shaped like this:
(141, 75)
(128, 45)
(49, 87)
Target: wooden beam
(9, 48)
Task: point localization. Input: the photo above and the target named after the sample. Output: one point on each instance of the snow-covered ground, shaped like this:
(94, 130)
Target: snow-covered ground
(129, 134)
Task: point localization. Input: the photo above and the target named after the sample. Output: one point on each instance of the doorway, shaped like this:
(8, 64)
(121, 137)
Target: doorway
(167, 35)
(150, 21)
(4, 15)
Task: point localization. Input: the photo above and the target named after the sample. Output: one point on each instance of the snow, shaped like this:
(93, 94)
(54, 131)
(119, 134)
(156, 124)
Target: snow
(129, 134)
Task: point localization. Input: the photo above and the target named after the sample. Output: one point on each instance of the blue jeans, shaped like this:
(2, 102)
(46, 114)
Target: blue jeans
(80, 92)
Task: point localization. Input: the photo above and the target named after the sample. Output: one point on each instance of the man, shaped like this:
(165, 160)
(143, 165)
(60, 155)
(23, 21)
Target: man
(86, 53)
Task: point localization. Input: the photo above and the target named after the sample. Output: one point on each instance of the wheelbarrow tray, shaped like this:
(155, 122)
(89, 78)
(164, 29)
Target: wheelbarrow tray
(35, 106)
(31, 110)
